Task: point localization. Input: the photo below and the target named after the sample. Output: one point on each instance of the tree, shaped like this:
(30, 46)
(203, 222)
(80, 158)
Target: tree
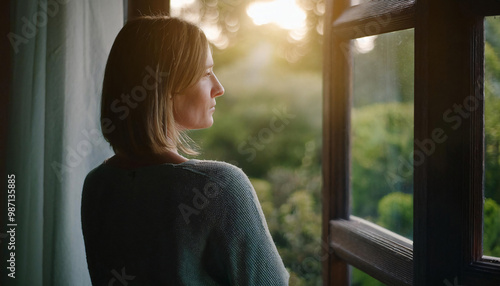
(492, 105)
(382, 144)
(491, 234)
(396, 213)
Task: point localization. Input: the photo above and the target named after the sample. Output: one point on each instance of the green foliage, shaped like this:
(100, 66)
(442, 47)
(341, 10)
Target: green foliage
(300, 224)
(360, 278)
(290, 203)
(492, 61)
(491, 237)
(492, 148)
(492, 36)
(492, 105)
(491, 210)
(395, 212)
(382, 143)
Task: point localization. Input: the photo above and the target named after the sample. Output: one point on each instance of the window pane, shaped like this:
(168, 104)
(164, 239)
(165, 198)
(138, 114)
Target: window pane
(382, 131)
(491, 237)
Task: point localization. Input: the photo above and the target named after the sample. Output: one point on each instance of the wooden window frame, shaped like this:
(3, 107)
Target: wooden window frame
(448, 184)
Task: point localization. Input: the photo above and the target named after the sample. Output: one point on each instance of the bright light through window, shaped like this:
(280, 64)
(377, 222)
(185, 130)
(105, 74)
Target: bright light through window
(177, 4)
(365, 44)
(284, 13)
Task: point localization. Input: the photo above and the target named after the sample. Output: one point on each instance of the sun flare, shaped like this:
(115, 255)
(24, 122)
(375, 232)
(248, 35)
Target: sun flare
(179, 4)
(284, 13)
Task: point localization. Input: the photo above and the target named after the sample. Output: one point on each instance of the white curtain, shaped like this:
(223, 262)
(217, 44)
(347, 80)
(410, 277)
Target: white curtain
(60, 51)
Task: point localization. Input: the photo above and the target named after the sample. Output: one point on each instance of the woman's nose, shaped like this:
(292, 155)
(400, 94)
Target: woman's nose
(218, 89)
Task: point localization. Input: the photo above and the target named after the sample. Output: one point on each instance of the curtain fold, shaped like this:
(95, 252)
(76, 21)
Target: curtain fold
(60, 51)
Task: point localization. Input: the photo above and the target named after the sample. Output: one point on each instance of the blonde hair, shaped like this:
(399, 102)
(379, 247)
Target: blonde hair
(152, 59)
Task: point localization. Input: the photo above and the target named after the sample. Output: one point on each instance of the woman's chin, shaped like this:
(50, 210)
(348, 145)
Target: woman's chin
(205, 125)
(210, 124)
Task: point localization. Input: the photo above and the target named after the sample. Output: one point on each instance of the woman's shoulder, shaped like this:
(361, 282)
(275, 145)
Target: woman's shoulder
(95, 173)
(228, 177)
(218, 170)
(213, 166)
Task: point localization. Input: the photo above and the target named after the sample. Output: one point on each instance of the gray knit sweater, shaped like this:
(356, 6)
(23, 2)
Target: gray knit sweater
(194, 223)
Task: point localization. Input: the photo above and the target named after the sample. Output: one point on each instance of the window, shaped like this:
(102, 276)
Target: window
(381, 176)
(491, 209)
(448, 158)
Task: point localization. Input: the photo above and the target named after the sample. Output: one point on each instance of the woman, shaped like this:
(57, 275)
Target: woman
(149, 215)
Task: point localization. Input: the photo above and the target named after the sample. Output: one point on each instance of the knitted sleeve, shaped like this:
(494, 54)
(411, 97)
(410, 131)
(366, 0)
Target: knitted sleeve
(252, 257)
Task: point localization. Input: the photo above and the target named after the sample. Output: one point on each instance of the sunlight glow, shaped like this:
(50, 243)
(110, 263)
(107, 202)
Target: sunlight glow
(178, 4)
(365, 44)
(212, 32)
(215, 36)
(298, 34)
(284, 13)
